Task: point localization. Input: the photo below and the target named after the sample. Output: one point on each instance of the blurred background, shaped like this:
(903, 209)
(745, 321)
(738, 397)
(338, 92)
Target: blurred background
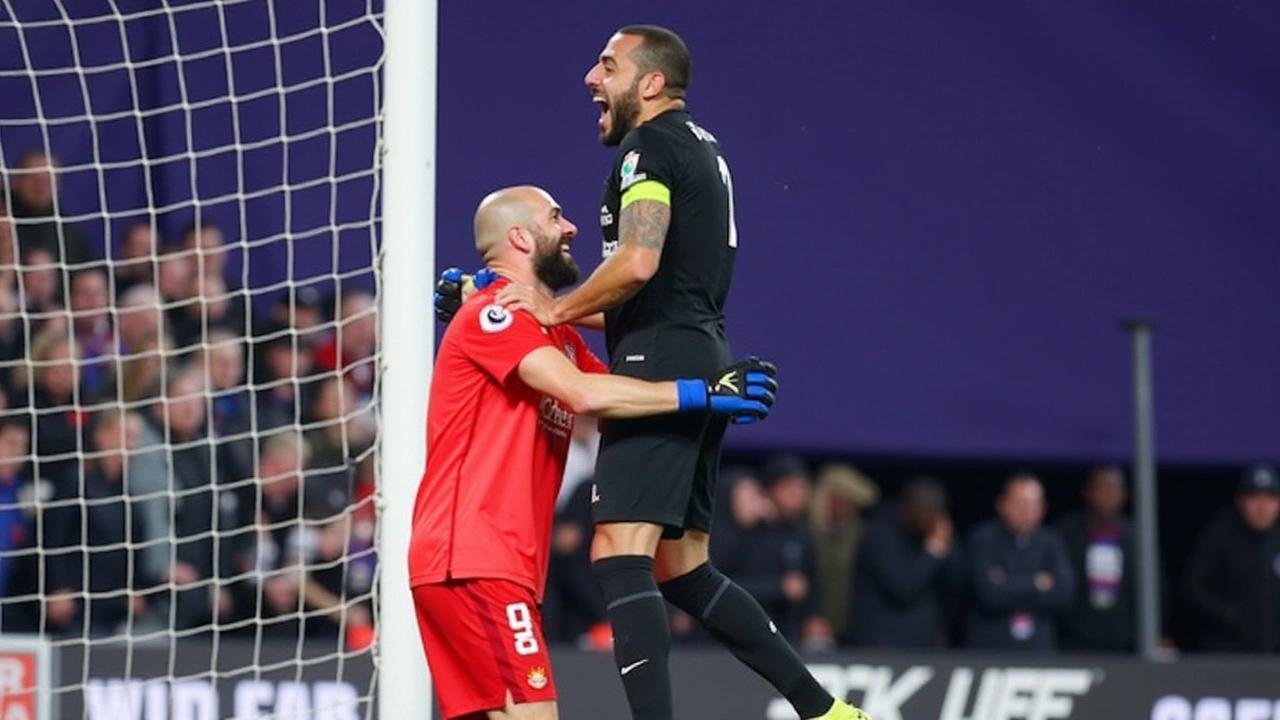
(945, 214)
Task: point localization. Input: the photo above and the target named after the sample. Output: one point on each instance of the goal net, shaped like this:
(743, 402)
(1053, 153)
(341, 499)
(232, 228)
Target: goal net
(188, 358)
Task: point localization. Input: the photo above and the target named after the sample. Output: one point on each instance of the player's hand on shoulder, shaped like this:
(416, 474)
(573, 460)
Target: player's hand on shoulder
(454, 287)
(522, 297)
(744, 391)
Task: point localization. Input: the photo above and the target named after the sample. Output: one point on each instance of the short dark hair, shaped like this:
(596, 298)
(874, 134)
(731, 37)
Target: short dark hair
(1020, 475)
(663, 51)
(925, 492)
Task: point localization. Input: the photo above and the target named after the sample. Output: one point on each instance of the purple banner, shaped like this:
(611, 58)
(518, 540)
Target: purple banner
(943, 212)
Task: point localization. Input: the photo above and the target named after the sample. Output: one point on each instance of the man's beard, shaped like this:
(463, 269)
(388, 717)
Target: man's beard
(552, 267)
(622, 113)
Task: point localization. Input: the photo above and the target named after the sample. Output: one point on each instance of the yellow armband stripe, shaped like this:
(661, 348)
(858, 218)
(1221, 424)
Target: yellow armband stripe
(646, 190)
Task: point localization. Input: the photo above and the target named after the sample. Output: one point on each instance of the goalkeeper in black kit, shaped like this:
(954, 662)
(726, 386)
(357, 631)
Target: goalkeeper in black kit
(669, 246)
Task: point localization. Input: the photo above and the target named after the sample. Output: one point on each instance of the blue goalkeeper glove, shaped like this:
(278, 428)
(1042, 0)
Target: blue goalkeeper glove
(745, 391)
(455, 286)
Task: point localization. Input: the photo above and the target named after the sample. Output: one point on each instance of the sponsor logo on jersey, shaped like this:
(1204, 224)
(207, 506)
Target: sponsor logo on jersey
(538, 678)
(627, 174)
(553, 418)
(495, 318)
(999, 693)
(608, 249)
(606, 217)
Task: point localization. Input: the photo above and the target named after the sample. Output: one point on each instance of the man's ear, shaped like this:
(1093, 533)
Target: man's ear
(652, 85)
(519, 239)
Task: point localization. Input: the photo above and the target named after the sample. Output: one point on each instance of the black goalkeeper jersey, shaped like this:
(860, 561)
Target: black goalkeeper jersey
(675, 324)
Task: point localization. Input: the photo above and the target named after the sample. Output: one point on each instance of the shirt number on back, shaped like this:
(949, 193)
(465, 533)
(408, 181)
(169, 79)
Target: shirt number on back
(728, 185)
(521, 622)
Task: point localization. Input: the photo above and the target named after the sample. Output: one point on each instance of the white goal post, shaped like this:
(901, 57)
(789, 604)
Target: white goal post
(408, 279)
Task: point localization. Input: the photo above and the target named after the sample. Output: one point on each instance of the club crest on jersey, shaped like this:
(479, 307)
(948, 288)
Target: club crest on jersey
(538, 678)
(495, 318)
(627, 174)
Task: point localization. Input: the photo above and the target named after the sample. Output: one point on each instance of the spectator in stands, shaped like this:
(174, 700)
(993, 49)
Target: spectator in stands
(15, 482)
(174, 271)
(34, 202)
(303, 310)
(790, 487)
(205, 244)
(741, 527)
(141, 370)
(1232, 581)
(1019, 574)
(573, 605)
(1099, 540)
(268, 539)
(12, 328)
(580, 465)
(139, 318)
(54, 377)
(135, 263)
(835, 524)
(282, 381)
(351, 351)
(908, 573)
(177, 427)
(336, 439)
(41, 295)
(8, 238)
(91, 321)
(339, 599)
(90, 531)
(147, 484)
(774, 560)
(230, 403)
(210, 306)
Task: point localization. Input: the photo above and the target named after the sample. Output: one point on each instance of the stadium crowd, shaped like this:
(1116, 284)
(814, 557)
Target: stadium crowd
(837, 565)
(170, 459)
(173, 458)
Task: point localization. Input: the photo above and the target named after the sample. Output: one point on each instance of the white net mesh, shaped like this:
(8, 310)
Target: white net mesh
(187, 356)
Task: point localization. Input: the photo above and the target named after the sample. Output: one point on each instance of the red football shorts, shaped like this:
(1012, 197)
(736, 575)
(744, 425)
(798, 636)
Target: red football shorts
(483, 639)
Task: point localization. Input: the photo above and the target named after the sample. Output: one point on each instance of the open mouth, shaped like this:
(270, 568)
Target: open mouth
(603, 104)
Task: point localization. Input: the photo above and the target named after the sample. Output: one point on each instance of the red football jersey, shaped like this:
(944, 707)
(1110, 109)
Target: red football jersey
(496, 450)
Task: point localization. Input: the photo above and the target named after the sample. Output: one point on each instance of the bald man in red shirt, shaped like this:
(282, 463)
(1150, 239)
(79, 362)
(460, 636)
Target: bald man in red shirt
(504, 397)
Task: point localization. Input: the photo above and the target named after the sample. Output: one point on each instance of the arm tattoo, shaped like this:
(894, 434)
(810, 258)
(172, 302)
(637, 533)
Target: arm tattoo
(644, 223)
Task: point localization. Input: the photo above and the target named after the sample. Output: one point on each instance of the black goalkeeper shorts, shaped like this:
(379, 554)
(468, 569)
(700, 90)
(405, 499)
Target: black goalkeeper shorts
(660, 470)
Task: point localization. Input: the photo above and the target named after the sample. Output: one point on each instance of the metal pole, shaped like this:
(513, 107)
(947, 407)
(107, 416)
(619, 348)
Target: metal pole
(408, 272)
(1144, 482)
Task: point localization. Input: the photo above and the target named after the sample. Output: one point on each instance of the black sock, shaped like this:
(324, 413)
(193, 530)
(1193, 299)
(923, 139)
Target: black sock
(735, 619)
(641, 635)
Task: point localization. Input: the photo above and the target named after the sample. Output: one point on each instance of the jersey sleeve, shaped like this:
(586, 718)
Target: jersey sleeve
(647, 168)
(497, 339)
